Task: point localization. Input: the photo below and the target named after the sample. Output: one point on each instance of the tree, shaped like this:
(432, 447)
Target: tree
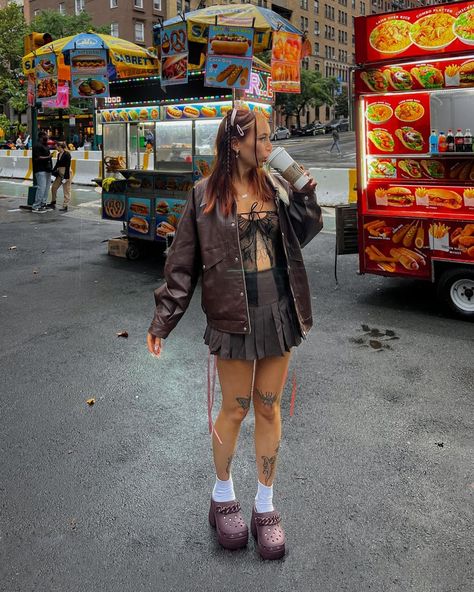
(12, 30)
(316, 91)
(342, 103)
(62, 25)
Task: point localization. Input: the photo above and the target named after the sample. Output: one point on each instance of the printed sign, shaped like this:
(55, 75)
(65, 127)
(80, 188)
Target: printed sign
(229, 57)
(415, 33)
(31, 90)
(197, 110)
(130, 114)
(174, 54)
(113, 206)
(286, 67)
(426, 169)
(62, 98)
(167, 214)
(89, 73)
(46, 72)
(450, 73)
(139, 215)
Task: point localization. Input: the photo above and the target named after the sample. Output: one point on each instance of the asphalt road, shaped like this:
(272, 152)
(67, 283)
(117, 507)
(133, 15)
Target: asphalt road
(375, 480)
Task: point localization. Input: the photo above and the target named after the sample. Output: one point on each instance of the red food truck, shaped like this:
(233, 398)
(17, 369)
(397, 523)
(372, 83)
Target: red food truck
(414, 88)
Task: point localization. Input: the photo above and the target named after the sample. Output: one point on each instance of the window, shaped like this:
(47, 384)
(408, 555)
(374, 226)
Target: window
(139, 31)
(179, 5)
(316, 48)
(316, 28)
(316, 6)
(79, 6)
(113, 3)
(36, 12)
(362, 8)
(137, 4)
(304, 23)
(187, 5)
(62, 8)
(114, 29)
(156, 4)
(304, 4)
(316, 66)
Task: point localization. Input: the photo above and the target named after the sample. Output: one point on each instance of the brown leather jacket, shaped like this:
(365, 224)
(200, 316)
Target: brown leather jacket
(210, 243)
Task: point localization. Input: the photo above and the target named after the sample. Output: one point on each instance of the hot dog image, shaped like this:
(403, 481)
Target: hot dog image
(232, 79)
(445, 198)
(138, 208)
(164, 229)
(175, 68)
(138, 224)
(174, 112)
(192, 112)
(225, 73)
(209, 111)
(230, 44)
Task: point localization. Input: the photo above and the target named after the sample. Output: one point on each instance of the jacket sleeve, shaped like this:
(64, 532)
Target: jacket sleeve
(305, 214)
(181, 274)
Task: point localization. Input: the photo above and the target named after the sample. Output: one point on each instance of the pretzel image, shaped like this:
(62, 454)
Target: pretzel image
(178, 40)
(114, 208)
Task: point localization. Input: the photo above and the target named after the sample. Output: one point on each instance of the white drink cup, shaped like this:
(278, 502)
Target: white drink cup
(290, 170)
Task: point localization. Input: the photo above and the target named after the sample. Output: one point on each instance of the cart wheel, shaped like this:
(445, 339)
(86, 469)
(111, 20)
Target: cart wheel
(133, 252)
(456, 292)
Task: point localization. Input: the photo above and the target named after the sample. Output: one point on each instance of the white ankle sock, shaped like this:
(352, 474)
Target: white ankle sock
(223, 490)
(264, 498)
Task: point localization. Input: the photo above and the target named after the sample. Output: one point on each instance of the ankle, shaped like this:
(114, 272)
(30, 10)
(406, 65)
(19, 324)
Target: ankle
(223, 490)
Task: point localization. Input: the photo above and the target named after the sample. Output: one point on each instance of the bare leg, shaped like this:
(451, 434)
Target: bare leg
(235, 377)
(270, 375)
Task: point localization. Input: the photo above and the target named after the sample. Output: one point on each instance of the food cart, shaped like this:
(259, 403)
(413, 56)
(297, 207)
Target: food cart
(156, 142)
(414, 94)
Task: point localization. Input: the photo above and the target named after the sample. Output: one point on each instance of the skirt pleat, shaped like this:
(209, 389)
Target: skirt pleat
(274, 331)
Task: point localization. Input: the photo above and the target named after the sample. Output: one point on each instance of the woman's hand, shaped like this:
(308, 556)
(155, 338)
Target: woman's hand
(154, 345)
(310, 185)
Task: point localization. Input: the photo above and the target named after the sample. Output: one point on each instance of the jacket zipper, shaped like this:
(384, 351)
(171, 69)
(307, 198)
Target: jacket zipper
(289, 279)
(243, 274)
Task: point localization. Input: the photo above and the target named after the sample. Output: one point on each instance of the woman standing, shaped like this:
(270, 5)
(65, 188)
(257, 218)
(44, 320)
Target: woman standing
(244, 229)
(62, 172)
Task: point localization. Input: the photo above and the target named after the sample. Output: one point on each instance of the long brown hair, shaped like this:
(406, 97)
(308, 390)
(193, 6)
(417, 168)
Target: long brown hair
(237, 124)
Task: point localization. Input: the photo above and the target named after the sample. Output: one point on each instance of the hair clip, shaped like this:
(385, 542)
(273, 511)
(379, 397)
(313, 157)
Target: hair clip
(232, 118)
(239, 129)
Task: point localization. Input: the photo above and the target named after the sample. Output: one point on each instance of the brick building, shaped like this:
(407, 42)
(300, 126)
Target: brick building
(129, 19)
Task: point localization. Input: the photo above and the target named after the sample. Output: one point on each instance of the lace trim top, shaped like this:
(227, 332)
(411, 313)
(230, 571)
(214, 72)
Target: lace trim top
(260, 240)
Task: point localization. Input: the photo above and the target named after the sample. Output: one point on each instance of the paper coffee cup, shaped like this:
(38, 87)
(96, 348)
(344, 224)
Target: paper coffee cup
(290, 170)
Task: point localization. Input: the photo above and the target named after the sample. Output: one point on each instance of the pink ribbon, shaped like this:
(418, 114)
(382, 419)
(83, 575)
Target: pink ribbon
(211, 389)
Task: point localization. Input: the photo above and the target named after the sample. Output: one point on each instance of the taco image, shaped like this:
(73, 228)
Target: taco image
(398, 78)
(375, 80)
(410, 138)
(382, 139)
(428, 76)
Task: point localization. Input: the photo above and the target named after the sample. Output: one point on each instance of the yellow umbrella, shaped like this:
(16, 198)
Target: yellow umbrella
(126, 60)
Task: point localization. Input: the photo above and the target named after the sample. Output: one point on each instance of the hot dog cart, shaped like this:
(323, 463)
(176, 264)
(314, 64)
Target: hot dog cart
(414, 93)
(156, 143)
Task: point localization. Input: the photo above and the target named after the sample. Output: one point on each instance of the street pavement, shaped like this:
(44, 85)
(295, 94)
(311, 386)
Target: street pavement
(314, 151)
(375, 480)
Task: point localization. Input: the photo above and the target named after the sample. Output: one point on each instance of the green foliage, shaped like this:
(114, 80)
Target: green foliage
(341, 105)
(316, 91)
(63, 25)
(12, 30)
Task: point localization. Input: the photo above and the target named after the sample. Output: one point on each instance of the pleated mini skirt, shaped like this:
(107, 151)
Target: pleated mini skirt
(273, 323)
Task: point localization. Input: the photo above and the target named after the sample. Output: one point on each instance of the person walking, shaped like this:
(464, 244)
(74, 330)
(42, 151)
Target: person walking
(42, 167)
(335, 141)
(243, 228)
(62, 172)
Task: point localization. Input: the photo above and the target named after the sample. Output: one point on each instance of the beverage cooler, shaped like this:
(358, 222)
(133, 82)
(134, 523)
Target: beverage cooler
(414, 121)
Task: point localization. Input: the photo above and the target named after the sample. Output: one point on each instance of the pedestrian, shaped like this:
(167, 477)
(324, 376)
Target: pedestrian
(62, 172)
(244, 229)
(87, 143)
(335, 141)
(75, 140)
(42, 167)
(19, 142)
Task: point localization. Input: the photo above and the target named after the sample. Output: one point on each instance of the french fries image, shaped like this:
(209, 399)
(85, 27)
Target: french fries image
(410, 235)
(420, 238)
(452, 69)
(438, 230)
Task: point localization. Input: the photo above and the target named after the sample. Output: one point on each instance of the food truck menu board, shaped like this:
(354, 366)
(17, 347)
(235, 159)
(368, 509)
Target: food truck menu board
(415, 33)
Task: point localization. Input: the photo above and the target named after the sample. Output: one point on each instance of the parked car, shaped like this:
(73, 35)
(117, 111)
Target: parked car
(312, 129)
(280, 133)
(342, 125)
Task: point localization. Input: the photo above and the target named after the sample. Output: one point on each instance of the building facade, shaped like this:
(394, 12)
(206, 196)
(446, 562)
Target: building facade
(129, 19)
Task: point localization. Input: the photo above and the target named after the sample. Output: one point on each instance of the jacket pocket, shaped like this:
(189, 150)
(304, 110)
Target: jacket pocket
(212, 281)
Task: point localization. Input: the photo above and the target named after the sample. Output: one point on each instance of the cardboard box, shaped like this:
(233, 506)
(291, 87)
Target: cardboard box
(118, 247)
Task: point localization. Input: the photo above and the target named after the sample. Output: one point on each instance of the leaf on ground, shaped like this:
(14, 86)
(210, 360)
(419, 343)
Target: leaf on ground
(90, 402)
(365, 328)
(123, 334)
(390, 333)
(375, 333)
(375, 344)
(440, 444)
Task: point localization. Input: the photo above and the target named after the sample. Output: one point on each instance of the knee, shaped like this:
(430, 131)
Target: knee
(270, 413)
(235, 414)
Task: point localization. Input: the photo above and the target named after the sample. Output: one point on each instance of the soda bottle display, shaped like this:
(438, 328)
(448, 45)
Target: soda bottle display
(434, 142)
(450, 141)
(459, 141)
(442, 143)
(467, 141)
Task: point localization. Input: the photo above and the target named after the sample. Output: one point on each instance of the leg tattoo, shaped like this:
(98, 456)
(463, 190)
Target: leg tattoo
(268, 466)
(267, 398)
(244, 402)
(227, 469)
